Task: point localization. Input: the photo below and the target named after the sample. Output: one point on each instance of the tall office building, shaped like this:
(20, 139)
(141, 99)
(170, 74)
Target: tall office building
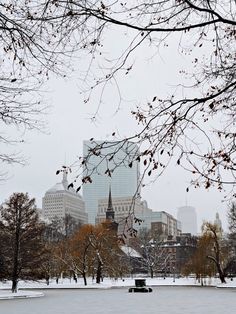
(59, 201)
(218, 223)
(124, 180)
(188, 218)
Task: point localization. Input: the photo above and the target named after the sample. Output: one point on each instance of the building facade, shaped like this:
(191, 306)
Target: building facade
(124, 179)
(165, 225)
(177, 252)
(123, 208)
(127, 210)
(60, 201)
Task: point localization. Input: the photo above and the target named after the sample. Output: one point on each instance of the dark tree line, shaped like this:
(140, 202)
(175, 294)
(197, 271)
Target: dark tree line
(32, 250)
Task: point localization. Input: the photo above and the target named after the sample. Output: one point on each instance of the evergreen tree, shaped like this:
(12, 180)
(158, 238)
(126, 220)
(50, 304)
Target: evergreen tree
(23, 232)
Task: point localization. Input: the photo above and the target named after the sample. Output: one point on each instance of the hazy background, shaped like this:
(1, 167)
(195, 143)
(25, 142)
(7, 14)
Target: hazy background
(69, 123)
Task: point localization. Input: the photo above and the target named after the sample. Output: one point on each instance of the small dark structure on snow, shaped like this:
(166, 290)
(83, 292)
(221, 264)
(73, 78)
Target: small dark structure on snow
(140, 286)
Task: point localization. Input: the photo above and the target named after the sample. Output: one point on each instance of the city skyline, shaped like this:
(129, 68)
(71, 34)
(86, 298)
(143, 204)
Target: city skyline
(118, 156)
(155, 199)
(71, 120)
(171, 210)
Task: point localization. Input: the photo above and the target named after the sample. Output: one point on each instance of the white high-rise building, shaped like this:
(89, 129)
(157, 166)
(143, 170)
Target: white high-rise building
(218, 223)
(188, 217)
(124, 180)
(60, 201)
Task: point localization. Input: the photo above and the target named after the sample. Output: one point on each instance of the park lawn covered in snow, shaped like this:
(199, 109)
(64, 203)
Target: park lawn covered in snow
(21, 294)
(112, 283)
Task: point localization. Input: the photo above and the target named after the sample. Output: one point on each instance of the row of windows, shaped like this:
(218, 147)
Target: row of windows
(60, 205)
(56, 200)
(116, 209)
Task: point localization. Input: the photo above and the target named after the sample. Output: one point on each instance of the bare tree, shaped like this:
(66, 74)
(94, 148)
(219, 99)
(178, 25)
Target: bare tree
(216, 250)
(156, 258)
(199, 264)
(169, 127)
(61, 228)
(75, 253)
(45, 31)
(29, 52)
(106, 252)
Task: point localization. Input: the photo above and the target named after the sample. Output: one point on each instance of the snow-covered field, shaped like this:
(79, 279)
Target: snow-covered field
(110, 283)
(24, 286)
(21, 294)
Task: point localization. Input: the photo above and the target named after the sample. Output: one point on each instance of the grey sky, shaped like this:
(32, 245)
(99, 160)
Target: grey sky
(69, 124)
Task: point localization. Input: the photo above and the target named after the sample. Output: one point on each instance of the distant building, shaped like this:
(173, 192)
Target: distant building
(123, 209)
(165, 225)
(218, 223)
(145, 214)
(110, 215)
(59, 201)
(132, 259)
(188, 218)
(127, 211)
(124, 180)
(159, 222)
(168, 256)
(177, 252)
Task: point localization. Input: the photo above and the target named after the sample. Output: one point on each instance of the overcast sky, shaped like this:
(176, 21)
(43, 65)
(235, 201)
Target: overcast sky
(69, 124)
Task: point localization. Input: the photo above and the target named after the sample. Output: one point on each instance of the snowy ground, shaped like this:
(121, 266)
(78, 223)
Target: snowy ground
(106, 284)
(6, 294)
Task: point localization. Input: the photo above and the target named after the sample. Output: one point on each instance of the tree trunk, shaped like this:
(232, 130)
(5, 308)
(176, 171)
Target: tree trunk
(218, 267)
(85, 279)
(201, 281)
(47, 280)
(151, 271)
(14, 285)
(15, 269)
(99, 272)
(221, 275)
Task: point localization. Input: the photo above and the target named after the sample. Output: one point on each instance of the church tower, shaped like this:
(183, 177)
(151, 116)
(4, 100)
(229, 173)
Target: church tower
(110, 214)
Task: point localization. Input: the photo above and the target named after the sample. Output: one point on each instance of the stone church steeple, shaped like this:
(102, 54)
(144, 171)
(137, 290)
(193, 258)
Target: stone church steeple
(110, 214)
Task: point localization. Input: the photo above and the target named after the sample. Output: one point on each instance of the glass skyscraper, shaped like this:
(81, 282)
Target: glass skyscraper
(124, 180)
